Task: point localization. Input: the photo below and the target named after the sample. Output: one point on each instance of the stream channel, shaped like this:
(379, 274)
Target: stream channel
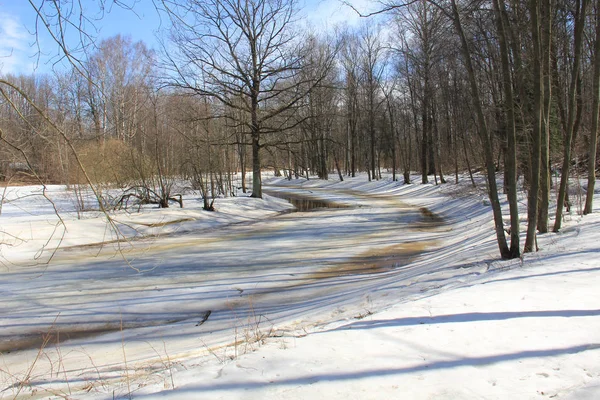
(295, 270)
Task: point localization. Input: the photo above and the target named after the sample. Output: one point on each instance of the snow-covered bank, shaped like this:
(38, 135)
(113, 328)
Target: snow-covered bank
(528, 333)
(522, 333)
(36, 221)
(400, 296)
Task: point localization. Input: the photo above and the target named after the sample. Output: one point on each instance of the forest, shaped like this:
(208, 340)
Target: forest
(299, 200)
(507, 88)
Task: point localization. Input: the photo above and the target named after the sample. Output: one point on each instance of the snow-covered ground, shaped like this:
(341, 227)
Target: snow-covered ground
(401, 294)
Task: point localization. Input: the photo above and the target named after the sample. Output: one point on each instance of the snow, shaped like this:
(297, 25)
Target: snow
(400, 295)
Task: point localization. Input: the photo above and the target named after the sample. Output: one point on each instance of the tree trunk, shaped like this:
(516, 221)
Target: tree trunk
(393, 144)
(256, 170)
(352, 146)
(536, 151)
(572, 105)
(544, 199)
(424, 150)
(372, 129)
(589, 199)
(510, 176)
(435, 147)
(467, 161)
(484, 133)
(337, 166)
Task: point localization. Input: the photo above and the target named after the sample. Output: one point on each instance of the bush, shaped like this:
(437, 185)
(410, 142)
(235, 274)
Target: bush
(108, 163)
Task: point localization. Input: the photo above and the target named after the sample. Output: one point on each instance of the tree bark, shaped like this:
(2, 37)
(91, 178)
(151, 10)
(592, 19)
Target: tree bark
(544, 199)
(256, 168)
(484, 133)
(536, 151)
(581, 6)
(510, 176)
(589, 198)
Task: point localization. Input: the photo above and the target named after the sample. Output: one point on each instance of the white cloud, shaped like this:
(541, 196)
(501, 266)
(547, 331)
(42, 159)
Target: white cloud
(15, 52)
(326, 14)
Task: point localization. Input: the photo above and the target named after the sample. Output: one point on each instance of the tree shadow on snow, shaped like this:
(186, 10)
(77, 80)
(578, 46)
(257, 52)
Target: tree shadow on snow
(516, 278)
(466, 317)
(354, 375)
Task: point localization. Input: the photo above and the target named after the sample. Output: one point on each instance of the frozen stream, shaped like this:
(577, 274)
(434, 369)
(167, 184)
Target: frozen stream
(268, 278)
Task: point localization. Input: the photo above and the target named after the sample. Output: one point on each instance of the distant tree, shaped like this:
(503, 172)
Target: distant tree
(351, 82)
(424, 26)
(318, 110)
(118, 87)
(371, 66)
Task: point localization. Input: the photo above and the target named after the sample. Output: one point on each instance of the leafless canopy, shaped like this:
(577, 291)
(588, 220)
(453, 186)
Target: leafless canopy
(246, 55)
(235, 50)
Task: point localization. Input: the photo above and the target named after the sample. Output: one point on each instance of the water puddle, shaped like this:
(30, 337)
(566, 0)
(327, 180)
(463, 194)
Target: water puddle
(166, 223)
(376, 261)
(430, 217)
(304, 204)
(59, 334)
(370, 262)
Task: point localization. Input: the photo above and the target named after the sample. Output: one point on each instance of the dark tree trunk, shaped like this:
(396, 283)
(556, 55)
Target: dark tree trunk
(581, 6)
(256, 168)
(484, 133)
(589, 199)
(544, 199)
(535, 151)
(510, 176)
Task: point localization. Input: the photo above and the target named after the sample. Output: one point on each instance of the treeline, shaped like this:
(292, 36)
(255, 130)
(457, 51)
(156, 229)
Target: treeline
(436, 87)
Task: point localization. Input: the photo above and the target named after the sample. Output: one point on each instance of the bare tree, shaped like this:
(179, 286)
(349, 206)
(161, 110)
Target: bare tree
(352, 77)
(372, 67)
(117, 86)
(319, 110)
(423, 27)
(483, 131)
(589, 200)
(71, 30)
(241, 50)
(510, 176)
(580, 16)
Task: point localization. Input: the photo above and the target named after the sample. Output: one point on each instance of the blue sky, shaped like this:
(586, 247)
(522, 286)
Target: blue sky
(18, 54)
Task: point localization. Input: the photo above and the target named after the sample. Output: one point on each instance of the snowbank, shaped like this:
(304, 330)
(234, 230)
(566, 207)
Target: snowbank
(400, 295)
